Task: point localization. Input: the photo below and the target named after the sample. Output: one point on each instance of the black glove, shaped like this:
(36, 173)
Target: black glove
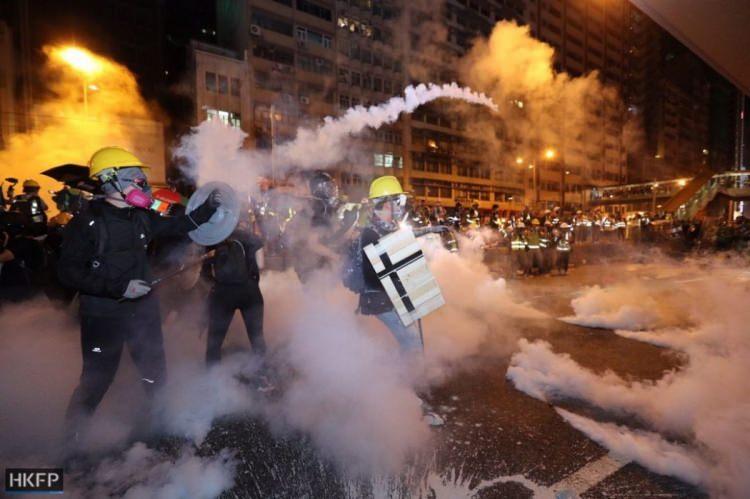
(206, 210)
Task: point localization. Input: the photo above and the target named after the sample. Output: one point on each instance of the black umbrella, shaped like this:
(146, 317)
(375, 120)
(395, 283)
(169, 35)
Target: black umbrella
(68, 174)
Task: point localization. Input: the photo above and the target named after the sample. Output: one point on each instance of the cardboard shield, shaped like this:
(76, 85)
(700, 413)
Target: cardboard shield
(402, 269)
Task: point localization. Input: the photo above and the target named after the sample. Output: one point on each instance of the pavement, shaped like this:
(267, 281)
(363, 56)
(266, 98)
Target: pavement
(497, 442)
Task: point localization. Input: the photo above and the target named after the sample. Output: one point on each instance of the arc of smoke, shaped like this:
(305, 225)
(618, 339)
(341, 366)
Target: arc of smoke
(321, 146)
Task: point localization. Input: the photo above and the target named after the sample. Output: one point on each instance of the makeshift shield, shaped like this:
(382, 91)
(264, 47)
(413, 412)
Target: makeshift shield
(223, 222)
(402, 269)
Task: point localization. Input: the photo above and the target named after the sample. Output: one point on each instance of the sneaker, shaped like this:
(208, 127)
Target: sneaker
(433, 419)
(264, 385)
(429, 416)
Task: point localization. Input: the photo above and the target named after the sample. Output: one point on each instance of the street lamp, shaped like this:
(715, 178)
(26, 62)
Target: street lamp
(83, 62)
(548, 155)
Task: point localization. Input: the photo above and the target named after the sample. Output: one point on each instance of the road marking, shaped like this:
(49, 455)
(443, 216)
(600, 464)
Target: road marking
(588, 476)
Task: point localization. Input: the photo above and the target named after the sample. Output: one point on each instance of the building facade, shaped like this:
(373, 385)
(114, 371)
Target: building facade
(306, 59)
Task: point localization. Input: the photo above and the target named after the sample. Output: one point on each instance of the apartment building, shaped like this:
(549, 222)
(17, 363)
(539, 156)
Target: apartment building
(312, 58)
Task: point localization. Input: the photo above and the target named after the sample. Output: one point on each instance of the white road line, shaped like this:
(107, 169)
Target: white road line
(588, 476)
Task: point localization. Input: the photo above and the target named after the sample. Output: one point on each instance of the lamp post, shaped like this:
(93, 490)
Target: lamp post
(83, 62)
(549, 155)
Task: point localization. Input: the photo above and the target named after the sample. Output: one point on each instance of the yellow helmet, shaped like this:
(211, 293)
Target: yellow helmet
(535, 221)
(31, 184)
(385, 186)
(112, 157)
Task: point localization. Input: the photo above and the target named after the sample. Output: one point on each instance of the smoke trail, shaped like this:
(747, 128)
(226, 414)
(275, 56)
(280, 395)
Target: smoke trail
(646, 448)
(212, 151)
(704, 403)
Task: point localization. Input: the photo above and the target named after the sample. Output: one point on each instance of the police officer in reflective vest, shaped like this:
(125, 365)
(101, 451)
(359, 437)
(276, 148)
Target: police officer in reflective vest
(563, 246)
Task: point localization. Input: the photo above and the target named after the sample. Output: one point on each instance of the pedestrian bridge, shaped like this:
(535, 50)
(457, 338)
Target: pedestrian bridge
(700, 191)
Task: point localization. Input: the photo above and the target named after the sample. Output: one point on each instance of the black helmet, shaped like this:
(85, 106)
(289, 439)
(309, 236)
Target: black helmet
(324, 188)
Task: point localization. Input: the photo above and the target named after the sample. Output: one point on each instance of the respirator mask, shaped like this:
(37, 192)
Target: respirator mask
(131, 184)
(395, 206)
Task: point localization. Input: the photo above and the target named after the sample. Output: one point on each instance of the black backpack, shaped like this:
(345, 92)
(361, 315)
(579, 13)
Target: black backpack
(230, 263)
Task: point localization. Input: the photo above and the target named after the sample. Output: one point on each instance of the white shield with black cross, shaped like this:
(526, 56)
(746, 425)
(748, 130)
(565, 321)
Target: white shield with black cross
(402, 269)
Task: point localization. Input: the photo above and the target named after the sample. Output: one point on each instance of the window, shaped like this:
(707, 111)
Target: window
(307, 35)
(274, 53)
(223, 84)
(235, 87)
(343, 76)
(271, 23)
(344, 101)
(314, 9)
(314, 64)
(211, 82)
(356, 79)
(387, 86)
(377, 84)
(226, 117)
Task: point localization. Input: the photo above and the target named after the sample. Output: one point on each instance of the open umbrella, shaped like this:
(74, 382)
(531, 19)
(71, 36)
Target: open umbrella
(68, 174)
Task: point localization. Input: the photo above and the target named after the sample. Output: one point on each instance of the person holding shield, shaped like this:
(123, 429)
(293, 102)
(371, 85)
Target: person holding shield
(103, 257)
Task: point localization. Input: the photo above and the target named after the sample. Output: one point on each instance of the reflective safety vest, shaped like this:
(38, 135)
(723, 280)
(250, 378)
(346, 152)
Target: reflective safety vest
(533, 241)
(563, 242)
(543, 242)
(620, 225)
(517, 244)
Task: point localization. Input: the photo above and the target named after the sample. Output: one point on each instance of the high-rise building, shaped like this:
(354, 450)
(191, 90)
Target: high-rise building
(311, 58)
(688, 110)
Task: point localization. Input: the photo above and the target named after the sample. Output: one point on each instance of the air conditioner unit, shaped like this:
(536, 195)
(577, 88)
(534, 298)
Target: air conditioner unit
(255, 30)
(319, 61)
(304, 99)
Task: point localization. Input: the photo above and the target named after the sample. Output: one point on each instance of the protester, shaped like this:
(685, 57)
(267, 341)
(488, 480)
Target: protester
(104, 258)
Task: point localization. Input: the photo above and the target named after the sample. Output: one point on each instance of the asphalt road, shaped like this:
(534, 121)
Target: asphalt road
(497, 441)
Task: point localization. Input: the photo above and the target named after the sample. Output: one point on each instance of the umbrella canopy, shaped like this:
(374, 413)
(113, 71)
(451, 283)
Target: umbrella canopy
(69, 174)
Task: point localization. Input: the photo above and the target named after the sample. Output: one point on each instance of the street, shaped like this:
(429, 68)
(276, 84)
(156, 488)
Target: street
(497, 442)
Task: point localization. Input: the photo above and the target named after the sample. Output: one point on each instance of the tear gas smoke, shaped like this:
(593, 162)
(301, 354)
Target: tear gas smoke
(538, 106)
(703, 404)
(64, 130)
(144, 473)
(212, 151)
(351, 391)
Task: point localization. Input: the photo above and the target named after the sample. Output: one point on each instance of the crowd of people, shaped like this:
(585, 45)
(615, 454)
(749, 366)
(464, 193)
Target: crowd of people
(101, 246)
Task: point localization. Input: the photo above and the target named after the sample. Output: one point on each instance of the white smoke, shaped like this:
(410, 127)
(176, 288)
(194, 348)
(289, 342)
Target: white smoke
(705, 403)
(142, 473)
(212, 151)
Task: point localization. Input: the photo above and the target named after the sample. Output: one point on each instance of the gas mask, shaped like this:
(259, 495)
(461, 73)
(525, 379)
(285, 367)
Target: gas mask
(398, 212)
(131, 184)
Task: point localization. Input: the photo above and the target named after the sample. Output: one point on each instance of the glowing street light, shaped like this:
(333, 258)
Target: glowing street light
(84, 62)
(550, 153)
(519, 160)
(81, 60)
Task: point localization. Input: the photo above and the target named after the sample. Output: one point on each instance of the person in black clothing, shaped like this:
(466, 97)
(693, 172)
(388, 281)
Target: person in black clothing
(21, 258)
(235, 273)
(32, 205)
(103, 257)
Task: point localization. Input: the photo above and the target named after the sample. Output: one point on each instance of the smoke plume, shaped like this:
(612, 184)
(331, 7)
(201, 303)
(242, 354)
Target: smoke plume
(702, 404)
(67, 129)
(212, 151)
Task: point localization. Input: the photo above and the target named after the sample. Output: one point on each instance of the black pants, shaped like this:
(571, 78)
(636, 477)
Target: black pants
(563, 257)
(102, 340)
(222, 302)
